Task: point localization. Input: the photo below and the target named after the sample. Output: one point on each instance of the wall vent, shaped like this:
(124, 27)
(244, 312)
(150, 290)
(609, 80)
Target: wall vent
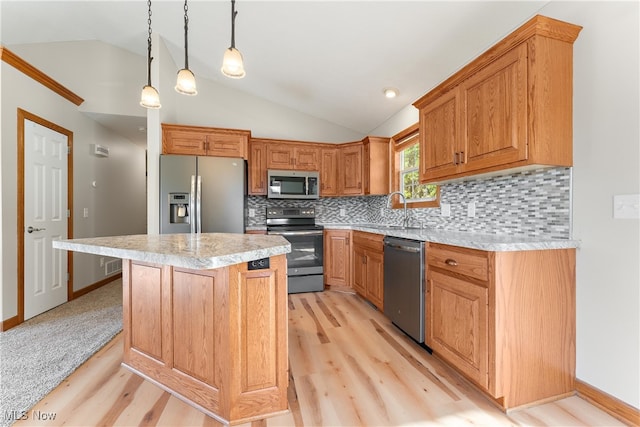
(100, 150)
(112, 267)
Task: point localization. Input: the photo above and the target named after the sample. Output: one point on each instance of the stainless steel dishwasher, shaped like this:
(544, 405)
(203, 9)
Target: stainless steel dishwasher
(404, 285)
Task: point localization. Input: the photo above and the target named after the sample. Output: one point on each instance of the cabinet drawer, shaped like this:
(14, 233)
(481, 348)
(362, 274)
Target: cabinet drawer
(471, 263)
(370, 241)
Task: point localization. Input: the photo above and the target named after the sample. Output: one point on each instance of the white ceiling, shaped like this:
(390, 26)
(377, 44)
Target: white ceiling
(329, 59)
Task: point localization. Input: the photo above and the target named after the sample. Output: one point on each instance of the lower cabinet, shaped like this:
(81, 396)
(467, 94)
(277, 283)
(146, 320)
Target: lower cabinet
(505, 320)
(368, 267)
(337, 257)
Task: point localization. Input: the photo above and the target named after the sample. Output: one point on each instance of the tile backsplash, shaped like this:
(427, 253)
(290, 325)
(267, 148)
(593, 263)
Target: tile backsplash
(533, 203)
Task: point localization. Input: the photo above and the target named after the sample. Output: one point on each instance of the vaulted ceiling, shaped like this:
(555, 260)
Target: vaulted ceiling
(329, 59)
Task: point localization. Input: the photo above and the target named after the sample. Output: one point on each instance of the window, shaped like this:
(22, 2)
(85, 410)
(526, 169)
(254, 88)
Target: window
(406, 172)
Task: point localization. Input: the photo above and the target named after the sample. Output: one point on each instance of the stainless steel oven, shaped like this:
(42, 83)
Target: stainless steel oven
(304, 262)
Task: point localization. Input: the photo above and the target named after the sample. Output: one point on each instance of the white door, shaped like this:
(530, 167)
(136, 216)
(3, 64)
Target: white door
(45, 218)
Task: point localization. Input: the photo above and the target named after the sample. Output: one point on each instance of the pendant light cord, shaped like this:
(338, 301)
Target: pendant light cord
(149, 58)
(186, 30)
(233, 23)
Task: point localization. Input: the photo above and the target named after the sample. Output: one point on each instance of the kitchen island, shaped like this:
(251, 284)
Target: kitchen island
(205, 317)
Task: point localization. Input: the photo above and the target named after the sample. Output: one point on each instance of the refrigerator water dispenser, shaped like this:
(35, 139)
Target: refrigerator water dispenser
(179, 208)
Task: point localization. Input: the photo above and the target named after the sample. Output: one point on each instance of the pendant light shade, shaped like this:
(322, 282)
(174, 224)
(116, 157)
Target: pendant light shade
(186, 81)
(150, 98)
(232, 65)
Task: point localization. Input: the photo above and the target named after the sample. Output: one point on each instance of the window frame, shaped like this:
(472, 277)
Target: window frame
(401, 141)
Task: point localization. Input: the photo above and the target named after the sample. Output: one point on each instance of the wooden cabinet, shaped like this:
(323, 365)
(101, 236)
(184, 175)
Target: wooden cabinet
(364, 167)
(329, 171)
(368, 267)
(458, 307)
(257, 167)
(509, 109)
(216, 339)
(283, 155)
(350, 172)
(337, 257)
(204, 141)
(506, 320)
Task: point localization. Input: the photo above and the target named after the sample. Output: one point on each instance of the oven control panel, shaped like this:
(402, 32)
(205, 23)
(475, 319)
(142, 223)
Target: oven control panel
(273, 212)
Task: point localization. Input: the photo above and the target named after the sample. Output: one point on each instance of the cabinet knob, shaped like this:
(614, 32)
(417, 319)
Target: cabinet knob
(451, 262)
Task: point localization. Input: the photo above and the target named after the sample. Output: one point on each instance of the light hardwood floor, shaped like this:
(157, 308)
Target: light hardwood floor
(349, 366)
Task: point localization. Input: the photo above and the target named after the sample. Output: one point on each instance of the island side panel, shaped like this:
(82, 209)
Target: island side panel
(258, 303)
(186, 312)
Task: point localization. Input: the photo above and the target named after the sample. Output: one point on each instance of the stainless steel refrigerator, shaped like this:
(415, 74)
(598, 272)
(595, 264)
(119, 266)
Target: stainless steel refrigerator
(202, 194)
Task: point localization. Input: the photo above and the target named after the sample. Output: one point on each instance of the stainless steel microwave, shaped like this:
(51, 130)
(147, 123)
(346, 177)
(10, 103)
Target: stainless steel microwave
(287, 184)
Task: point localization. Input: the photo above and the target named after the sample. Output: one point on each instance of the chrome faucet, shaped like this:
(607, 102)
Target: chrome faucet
(405, 221)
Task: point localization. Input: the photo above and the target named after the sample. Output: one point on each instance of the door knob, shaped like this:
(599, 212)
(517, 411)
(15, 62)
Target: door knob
(30, 229)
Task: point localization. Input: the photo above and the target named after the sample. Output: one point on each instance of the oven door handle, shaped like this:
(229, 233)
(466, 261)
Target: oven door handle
(296, 233)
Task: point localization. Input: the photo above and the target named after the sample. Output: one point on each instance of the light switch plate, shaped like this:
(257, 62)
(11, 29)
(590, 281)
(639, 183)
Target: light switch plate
(626, 206)
(85, 212)
(445, 209)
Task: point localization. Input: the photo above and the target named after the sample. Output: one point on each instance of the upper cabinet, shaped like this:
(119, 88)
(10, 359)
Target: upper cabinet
(285, 155)
(508, 109)
(257, 167)
(363, 167)
(204, 141)
(329, 171)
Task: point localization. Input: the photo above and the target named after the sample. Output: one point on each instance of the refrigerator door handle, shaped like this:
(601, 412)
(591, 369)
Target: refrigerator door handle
(192, 204)
(199, 205)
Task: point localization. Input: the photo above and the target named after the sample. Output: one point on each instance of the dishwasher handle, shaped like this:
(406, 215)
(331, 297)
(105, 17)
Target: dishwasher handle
(403, 248)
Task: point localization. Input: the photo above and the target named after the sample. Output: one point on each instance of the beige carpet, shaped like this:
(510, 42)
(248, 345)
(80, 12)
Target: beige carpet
(39, 354)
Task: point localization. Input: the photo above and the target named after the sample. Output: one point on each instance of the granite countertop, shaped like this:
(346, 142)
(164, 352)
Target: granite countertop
(487, 242)
(198, 251)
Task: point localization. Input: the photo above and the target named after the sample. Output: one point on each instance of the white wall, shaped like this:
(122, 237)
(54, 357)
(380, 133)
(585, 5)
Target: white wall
(120, 179)
(606, 162)
(108, 78)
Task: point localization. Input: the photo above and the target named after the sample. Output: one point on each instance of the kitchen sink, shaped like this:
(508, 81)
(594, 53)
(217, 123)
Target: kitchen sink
(397, 227)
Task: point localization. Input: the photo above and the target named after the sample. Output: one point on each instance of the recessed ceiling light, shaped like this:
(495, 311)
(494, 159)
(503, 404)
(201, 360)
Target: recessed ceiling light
(390, 92)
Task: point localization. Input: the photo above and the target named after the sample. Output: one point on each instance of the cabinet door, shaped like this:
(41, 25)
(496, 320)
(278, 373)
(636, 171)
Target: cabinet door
(258, 168)
(329, 172)
(458, 324)
(177, 141)
(307, 158)
(350, 171)
(375, 278)
(495, 105)
(280, 156)
(439, 136)
(359, 276)
(226, 145)
(337, 258)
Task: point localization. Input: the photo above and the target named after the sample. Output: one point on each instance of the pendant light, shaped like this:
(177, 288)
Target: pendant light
(232, 65)
(149, 97)
(186, 82)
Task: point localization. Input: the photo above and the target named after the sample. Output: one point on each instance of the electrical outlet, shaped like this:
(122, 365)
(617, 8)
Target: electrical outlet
(85, 213)
(445, 209)
(101, 261)
(381, 211)
(343, 212)
(471, 209)
(252, 212)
